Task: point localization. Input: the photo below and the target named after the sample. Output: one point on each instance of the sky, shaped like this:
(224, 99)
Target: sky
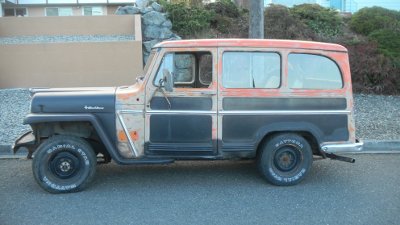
(390, 4)
(351, 5)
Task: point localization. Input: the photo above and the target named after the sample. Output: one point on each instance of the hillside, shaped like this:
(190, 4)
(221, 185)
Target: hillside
(372, 35)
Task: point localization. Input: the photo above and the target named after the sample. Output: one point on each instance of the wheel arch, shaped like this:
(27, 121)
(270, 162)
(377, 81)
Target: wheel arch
(308, 131)
(85, 126)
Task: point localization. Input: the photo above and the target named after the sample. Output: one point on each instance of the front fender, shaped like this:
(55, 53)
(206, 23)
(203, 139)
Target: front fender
(33, 119)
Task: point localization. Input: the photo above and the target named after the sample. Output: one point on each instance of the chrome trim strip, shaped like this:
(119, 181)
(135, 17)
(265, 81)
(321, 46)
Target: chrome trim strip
(121, 120)
(181, 112)
(349, 147)
(284, 112)
(255, 112)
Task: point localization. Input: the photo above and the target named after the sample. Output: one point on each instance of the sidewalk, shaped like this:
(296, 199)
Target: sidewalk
(370, 147)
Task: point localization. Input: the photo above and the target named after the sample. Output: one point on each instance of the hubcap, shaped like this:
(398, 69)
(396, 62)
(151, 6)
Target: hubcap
(286, 158)
(64, 165)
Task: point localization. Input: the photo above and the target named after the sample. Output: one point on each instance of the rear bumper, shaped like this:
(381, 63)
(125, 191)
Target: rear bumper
(342, 148)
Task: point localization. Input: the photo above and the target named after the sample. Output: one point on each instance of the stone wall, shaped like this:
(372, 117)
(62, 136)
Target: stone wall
(156, 27)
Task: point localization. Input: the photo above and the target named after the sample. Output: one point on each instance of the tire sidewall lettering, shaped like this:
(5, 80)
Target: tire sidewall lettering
(58, 187)
(289, 141)
(69, 147)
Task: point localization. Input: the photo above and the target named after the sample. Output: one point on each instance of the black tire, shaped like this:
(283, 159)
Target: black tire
(285, 159)
(64, 164)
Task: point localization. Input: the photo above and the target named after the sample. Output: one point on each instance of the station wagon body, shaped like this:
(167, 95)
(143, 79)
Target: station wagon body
(277, 101)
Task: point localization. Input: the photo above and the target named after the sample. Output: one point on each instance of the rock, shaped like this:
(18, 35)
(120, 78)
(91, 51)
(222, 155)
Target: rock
(149, 44)
(175, 37)
(142, 3)
(132, 10)
(145, 57)
(165, 33)
(151, 32)
(120, 11)
(146, 10)
(183, 61)
(167, 24)
(153, 18)
(157, 7)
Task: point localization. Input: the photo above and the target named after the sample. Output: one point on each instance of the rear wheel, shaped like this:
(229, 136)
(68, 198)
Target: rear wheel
(64, 164)
(285, 159)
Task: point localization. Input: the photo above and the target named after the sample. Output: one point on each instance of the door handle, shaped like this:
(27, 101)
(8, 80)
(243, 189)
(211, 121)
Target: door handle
(208, 92)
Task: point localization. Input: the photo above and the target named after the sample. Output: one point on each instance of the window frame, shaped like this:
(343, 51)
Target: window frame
(154, 82)
(91, 6)
(254, 51)
(15, 11)
(315, 54)
(58, 10)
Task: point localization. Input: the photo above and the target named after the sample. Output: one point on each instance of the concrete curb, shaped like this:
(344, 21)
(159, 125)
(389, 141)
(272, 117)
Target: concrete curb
(370, 147)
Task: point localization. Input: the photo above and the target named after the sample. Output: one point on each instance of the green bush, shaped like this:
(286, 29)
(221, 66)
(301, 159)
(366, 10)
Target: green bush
(188, 20)
(371, 71)
(226, 15)
(323, 21)
(279, 23)
(368, 20)
(224, 8)
(388, 42)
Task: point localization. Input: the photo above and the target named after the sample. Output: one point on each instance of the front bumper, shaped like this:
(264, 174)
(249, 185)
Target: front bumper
(342, 147)
(28, 141)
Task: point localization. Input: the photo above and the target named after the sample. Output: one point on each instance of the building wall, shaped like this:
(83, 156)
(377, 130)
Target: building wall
(65, 64)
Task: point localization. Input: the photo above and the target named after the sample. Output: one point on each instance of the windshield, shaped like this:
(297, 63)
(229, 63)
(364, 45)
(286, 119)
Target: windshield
(148, 62)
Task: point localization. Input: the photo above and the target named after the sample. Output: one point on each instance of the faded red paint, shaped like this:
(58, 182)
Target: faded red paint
(122, 137)
(137, 97)
(256, 43)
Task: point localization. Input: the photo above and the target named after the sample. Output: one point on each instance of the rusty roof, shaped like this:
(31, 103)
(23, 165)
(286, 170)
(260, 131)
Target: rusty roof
(258, 43)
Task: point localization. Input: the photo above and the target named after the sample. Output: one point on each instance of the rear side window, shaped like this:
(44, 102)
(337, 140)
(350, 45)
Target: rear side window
(307, 71)
(251, 70)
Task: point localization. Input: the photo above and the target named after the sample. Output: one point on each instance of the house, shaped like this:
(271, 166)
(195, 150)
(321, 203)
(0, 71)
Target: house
(35, 8)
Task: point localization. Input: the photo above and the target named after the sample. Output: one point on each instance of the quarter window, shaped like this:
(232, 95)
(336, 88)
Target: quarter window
(251, 70)
(307, 71)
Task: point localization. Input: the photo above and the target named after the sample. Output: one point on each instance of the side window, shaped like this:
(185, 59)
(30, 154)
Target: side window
(307, 71)
(190, 69)
(251, 70)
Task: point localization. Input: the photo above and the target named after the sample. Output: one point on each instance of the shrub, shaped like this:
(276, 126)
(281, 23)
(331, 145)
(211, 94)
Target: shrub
(279, 23)
(368, 20)
(372, 72)
(388, 42)
(224, 8)
(227, 16)
(188, 20)
(323, 21)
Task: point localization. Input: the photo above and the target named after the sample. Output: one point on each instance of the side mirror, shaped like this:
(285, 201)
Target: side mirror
(168, 81)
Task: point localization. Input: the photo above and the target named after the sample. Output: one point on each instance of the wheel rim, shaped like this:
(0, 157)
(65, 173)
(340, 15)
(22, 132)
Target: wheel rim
(287, 158)
(64, 165)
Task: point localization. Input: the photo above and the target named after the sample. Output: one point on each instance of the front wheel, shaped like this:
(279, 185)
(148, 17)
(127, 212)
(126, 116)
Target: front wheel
(64, 164)
(285, 159)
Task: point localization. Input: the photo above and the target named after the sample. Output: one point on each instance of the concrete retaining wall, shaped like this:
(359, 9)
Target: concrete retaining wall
(63, 64)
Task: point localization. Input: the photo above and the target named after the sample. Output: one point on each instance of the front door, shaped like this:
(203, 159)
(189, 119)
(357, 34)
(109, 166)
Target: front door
(183, 123)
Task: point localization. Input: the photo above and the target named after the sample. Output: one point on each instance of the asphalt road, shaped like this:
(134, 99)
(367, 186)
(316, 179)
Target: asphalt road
(217, 192)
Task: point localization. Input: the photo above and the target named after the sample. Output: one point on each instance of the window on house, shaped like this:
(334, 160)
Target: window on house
(251, 70)
(62, 11)
(92, 11)
(15, 12)
(190, 69)
(307, 71)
